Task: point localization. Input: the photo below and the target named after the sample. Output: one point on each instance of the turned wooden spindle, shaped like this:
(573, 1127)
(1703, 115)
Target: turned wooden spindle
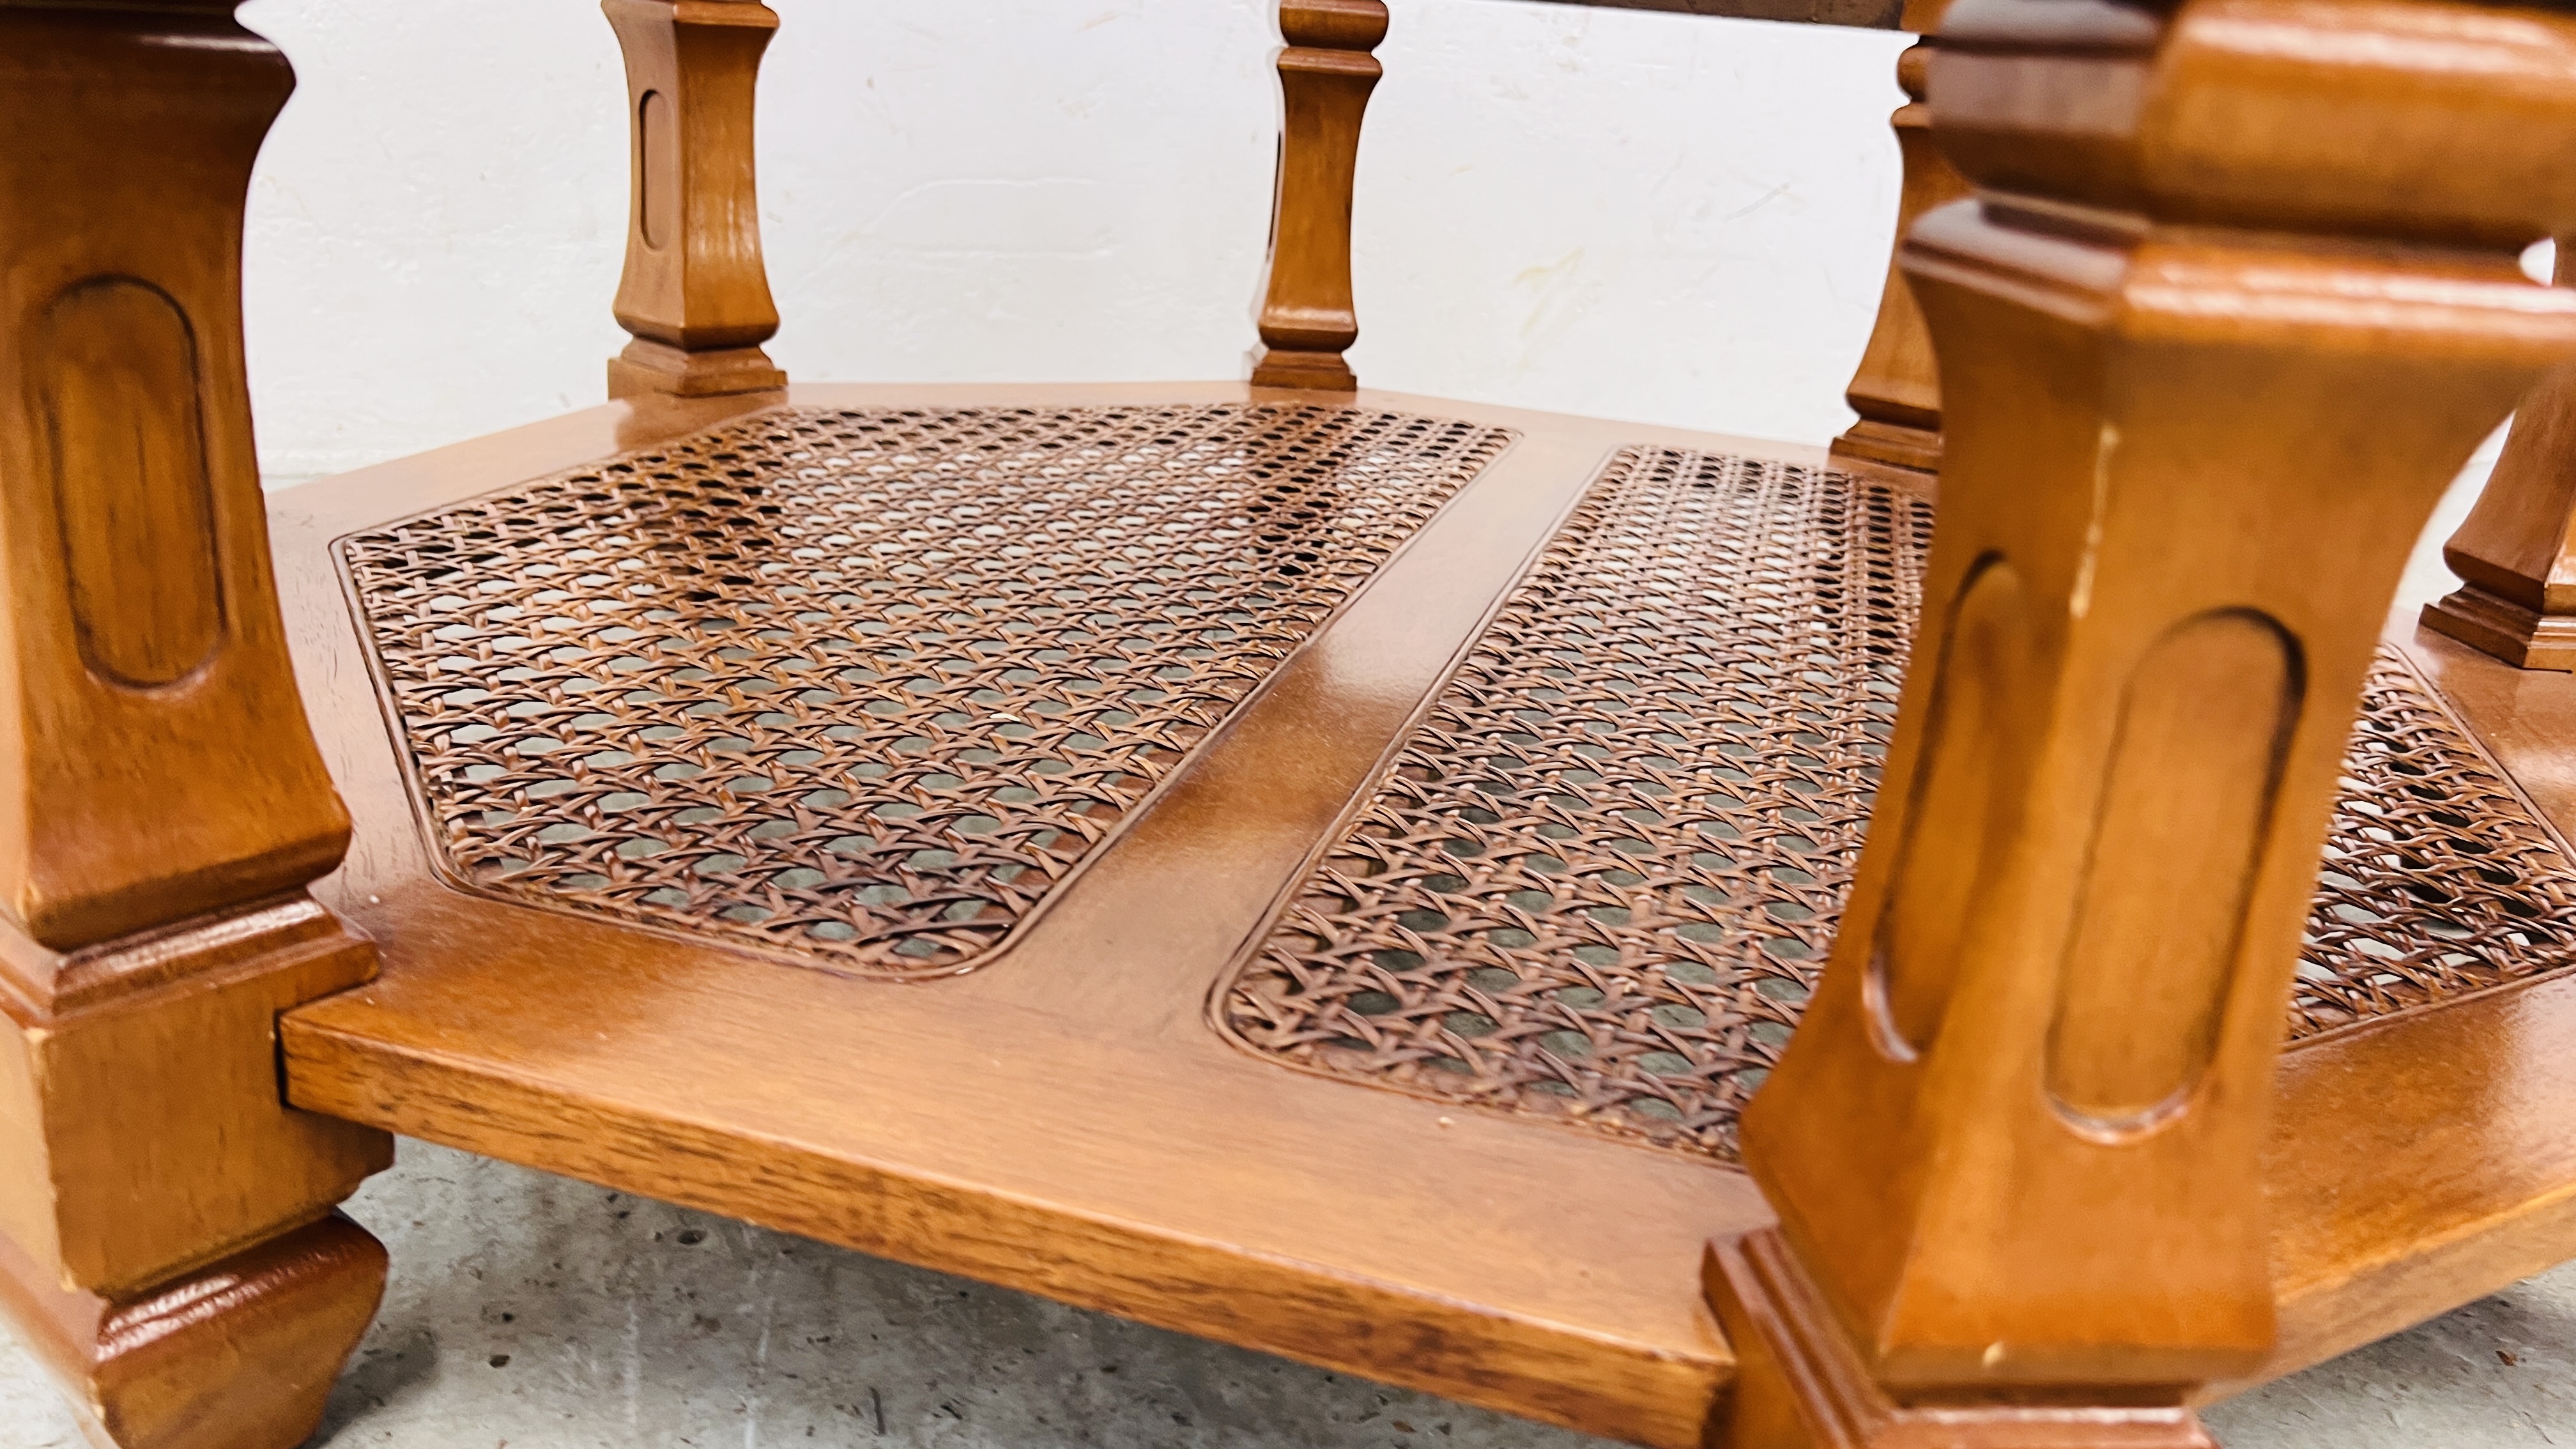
(2193, 339)
(1325, 76)
(166, 1237)
(2516, 551)
(695, 293)
(1897, 390)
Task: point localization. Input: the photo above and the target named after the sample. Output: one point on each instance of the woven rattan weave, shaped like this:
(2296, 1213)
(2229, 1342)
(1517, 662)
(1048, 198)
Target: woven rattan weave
(1601, 877)
(863, 686)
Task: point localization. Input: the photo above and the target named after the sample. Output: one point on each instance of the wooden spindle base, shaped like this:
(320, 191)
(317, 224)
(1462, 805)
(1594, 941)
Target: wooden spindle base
(648, 367)
(1313, 371)
(2522, 637)
(240, 1354)
(142, 1130)
(1897, 389)
(1801, 1383)
(1890, 445)
(168, 1244)
(2515, 553)
(1325, 75)
(694, 295)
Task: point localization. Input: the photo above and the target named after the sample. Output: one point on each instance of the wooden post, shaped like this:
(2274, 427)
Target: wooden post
(1897, 390)
(167, 1240)
(1325, 76)
(695, 294)
(2194, 339)
(2516, 551)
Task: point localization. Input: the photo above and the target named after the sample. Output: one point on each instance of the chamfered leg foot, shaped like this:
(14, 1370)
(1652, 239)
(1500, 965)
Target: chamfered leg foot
(240, 1354)
(1801, 1383)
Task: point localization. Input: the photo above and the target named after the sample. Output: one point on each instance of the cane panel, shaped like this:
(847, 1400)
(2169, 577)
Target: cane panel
(1599, 881)
(862, 687)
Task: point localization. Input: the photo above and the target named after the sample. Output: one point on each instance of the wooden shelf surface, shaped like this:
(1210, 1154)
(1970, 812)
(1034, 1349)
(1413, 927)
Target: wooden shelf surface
(1065, 1119)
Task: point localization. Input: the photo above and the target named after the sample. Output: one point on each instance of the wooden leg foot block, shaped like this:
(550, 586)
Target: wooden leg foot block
(2500, 627)
(1801, 1383)
(1892, 445)
(1314, 371)
(239, 1355)
(648, 367)
(141, 1131)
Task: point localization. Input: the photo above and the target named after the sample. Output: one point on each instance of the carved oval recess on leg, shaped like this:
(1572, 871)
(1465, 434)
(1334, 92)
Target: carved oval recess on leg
(2205, 723)
(657, 170)
(116, 366)
(1960, 800)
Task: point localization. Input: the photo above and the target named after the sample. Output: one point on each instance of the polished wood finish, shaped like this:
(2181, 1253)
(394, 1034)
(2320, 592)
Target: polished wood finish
(2017, 1142)
(165, 800)
(1325, 75)
(1047, 1122)
(2478, 1096)
(240, 1354)
(141, 617)
(2027, 1189)
(139, 1110)
(1897, 390)
(2475, 1100)
(2516, 551)
(1803, 1381)
(695, 294)
(1062, 1119)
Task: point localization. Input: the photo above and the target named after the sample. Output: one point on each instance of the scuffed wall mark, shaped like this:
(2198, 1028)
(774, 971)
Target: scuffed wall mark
(1765, 199)
(1558, 295)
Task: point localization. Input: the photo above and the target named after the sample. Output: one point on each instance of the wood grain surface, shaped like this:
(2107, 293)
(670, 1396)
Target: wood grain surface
(1065, 1122)
(164, 1237)
(695, 293)
(2035, 1165)
(2017, 1144)
(155, 760)
(1064, 1119)
(1308, 318)
(2516, 551)
(1897, 389)
(239, 1354)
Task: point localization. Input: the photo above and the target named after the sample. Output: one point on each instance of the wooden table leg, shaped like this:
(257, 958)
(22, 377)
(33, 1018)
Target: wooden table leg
(2208, 367)
(1325, 76)
(695, 293)
(239, 1354)
(167, 1238)
(2516, 551)
(1897, 390)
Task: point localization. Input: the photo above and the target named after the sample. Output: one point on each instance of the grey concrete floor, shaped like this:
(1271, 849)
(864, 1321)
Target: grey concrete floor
(532, 1312)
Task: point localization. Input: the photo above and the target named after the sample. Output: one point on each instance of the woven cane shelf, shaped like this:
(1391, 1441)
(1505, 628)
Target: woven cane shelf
(1072, 1089)
(863, 687)
(1320, 869)
(1600, 880)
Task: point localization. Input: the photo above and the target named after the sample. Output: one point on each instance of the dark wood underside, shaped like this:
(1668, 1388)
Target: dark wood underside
(1064, 1120)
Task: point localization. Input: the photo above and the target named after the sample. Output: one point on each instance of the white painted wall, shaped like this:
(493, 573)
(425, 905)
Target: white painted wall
(1634, 214)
